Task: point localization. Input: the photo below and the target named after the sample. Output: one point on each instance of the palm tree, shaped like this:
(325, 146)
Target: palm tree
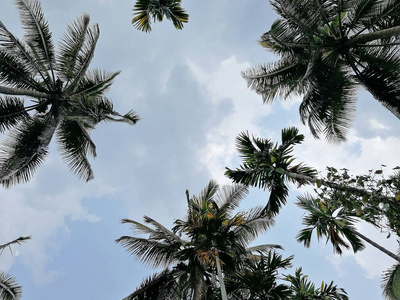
(327, 48)
(145, 10)
(303, 289)
(213, 237)
(269, 165)
(68, 100)
(258, 279)
(9, 288)
(334, 223)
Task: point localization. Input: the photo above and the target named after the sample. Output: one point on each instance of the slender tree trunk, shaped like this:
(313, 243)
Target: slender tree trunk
(372, 36)
(384, 250)
(221, 279)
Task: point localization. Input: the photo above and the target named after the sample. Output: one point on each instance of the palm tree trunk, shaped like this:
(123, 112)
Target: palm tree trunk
(221, 279)
(368, 37)
(384, 250)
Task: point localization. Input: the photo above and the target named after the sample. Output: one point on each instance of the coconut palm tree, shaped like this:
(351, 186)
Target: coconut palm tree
(269, 165)
(9, 288)
(145, 10)
(211, 237)
(303, 289)
(258, 279)
(327, 48)
(334, 223)
(67, 99)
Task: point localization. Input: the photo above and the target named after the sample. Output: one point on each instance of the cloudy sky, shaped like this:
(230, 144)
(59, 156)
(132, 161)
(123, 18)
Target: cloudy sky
(187, 88)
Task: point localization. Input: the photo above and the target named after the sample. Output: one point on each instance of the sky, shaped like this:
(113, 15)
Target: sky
(186, 85)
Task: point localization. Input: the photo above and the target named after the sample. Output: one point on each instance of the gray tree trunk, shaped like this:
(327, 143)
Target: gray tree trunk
(221, 278)
(384, 250)
(372, 36)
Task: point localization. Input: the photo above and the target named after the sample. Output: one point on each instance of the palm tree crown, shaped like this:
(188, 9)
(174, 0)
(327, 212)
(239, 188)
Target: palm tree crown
(326, 49)
(68, 99)
(145, 10)
(210, 237)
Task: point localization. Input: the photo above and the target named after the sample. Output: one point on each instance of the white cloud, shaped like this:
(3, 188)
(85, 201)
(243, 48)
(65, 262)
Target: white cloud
(225, 85)
(375, 124)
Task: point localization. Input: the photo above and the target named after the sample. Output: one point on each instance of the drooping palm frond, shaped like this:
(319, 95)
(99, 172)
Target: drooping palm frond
(9, 288)
(25, 149)
(391, 283)
(159, 286)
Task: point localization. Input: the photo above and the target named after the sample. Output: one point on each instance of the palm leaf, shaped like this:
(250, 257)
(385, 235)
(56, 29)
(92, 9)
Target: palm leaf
(18, 241)
(38, 36)
(74, 63)
(12, 111)
(75, 144)
(25, 149)
(72, 44)
(9, 288)
(391, 283)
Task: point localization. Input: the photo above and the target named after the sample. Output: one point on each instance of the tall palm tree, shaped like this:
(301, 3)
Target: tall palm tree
(303, 289)
(9, 288)
(67, 99)
(327, 48)
(269, 165)
(334, 223)
(211, 236)
(145, 10)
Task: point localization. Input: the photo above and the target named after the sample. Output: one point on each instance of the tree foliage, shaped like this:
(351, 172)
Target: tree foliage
(326, 49)
(67, 98)
(146, 10)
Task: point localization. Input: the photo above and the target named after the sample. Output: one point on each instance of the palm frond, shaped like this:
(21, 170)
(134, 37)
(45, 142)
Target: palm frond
(391, 283)
(158, 286)
(95, 83)
(155, 254)
(74, 63)
(12, 111)
(75, 144)
(38, 36)
(71, 46)
(9, 288)
(18, 241)
(25, 149)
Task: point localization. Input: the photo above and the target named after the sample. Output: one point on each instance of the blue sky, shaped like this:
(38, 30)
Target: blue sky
(186, 86)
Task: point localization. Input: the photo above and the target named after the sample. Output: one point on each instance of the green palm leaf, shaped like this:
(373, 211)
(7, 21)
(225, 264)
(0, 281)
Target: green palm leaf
(145, 10)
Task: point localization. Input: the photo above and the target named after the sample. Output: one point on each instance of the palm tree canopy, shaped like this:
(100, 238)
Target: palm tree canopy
(334, 224)
(145, 10)
(267, 165)
(211, 229)
(302, 288)
(326, 49)
(68, 99)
